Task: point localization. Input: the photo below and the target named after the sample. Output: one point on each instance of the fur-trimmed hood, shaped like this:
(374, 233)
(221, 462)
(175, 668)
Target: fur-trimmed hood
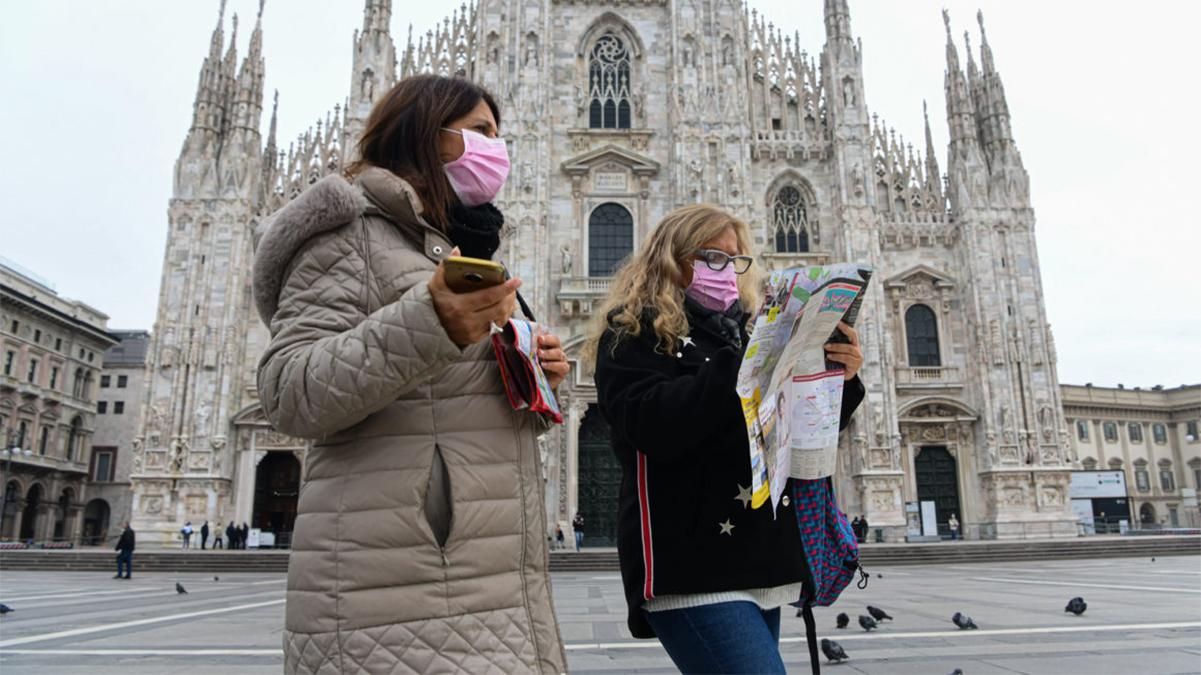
(327, 205)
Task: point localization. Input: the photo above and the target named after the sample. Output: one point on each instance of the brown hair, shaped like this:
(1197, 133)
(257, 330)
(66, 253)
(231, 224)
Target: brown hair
(401, 135)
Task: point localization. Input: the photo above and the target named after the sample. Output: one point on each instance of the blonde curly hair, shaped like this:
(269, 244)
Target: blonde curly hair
(654, 278)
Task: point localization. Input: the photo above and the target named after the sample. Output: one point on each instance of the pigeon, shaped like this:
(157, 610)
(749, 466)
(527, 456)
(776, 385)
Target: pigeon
(843, 620)
(179, 588)
(867, 622)
(5, 609)
(878, 614)
(963, 621)
(957, 671)
(1076, 606)
(216, 578)
(833, 651)
(1152, 559)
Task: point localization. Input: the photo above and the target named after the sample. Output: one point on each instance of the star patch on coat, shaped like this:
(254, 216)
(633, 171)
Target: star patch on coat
(687, 341)
(726, 527)
(744, 496)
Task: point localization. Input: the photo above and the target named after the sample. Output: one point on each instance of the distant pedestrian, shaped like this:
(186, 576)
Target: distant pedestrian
(186, 531)
(217, 541)
(560, 542)
(244, 535)
(577, 524)
(863, 527)
(124, 549)
(204, 534)
(231, 534)
(855, 529)
(953, 523)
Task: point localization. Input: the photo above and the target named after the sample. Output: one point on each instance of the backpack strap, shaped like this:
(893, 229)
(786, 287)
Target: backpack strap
(811, 638)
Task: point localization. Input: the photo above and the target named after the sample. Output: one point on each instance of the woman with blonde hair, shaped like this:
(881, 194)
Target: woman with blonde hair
(702, 571)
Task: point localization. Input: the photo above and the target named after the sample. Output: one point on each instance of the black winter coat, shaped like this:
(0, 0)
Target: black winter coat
(126, 542)
(680, 437)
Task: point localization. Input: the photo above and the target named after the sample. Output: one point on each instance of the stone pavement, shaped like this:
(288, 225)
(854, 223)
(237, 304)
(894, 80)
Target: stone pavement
(1143, 618)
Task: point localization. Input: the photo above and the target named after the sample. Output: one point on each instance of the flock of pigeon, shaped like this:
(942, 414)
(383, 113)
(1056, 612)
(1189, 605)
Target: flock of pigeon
(832, 650)
(870, 621)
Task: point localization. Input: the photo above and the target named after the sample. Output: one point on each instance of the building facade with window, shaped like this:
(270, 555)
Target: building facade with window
(52, 350)
(1149, 434)
(118, 410)
(616, 113)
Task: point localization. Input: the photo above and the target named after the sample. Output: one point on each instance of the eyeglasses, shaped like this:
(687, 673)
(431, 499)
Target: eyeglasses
(717, 260)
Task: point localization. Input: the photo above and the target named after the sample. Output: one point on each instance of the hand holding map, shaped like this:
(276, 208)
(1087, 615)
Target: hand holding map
(791, 397)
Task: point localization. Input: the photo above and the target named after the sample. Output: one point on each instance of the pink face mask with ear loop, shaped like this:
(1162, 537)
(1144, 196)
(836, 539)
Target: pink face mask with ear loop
(480, 172)
(715, 290)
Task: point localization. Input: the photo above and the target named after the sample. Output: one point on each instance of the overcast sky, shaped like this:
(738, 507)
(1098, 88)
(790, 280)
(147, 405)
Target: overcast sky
(98, 98)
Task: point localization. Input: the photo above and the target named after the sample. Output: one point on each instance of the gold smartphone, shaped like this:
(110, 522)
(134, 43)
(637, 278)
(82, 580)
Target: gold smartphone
(464, 275)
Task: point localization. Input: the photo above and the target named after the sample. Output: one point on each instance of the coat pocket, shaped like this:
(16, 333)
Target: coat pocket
(438, 506)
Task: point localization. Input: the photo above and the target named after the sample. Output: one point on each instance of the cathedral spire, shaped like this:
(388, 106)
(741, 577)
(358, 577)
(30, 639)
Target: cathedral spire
(205, 106)
(374, 68)
(838, 21)
(248, 102)
(985, 51)
(961, 117)
(377, 17)
(933, 174)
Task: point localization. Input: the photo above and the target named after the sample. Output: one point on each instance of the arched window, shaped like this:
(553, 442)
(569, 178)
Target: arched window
(921, 332)
(610, 238)
(790, 221)
(609, 84)
(74, 438)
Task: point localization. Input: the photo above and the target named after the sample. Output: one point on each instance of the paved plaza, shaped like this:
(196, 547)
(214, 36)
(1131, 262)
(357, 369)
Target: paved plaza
(1143, 617)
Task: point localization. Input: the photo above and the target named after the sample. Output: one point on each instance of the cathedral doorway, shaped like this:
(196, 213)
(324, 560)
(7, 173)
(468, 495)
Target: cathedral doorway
(599, 480)
(276, 489)
(29, 520)
(938, 481)
(95, 522)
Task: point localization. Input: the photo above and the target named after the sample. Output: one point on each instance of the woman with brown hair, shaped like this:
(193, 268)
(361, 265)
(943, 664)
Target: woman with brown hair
(702, 571)
(420, 537)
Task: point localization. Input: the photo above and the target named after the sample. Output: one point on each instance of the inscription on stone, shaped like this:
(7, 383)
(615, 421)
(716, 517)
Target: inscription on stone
(610, 182)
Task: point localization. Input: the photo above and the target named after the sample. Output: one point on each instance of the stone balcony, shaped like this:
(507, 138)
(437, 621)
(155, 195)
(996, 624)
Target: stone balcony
(929, 377)
(579, 296)
(782, 261)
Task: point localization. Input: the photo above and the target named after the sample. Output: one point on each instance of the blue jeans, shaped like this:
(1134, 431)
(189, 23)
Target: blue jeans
(579, 539)
(729, 637)
(124, 558)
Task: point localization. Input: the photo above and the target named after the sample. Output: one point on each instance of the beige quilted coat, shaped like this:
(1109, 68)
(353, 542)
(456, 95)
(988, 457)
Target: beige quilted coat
(420, 540)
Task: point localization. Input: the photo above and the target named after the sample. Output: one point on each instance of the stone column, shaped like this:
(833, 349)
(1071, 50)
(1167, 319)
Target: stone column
(17, 516)
(575, 414)
(248, 461)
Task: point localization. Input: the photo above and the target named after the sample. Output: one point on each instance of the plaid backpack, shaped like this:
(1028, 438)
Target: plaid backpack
(830, 550)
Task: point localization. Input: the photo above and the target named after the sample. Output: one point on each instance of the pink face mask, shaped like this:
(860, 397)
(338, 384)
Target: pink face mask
(716, 290)
(480, 172)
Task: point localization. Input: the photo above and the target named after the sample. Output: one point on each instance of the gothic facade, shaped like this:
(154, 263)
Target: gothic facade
(616, 113)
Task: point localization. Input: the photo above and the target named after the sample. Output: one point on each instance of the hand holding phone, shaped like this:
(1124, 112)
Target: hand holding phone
(464, 275)
(468, 315)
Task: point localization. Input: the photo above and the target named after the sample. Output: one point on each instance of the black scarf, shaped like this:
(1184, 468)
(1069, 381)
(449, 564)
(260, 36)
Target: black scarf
(476, 231)
(727, 325)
